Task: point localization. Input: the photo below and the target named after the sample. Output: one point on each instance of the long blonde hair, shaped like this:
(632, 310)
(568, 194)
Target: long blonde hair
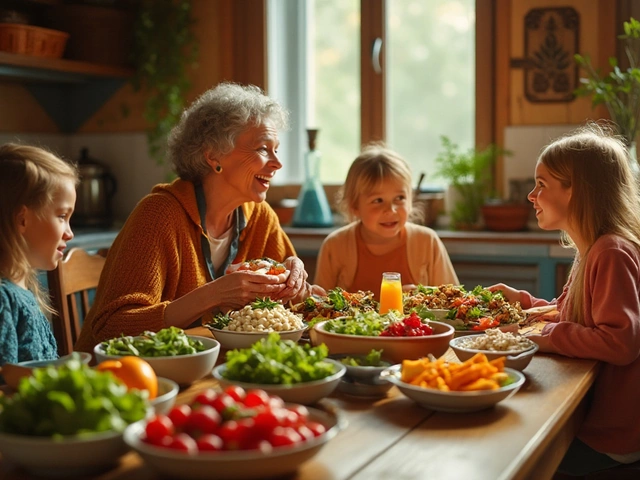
(375, 164)
(29, 176)
(605, 197)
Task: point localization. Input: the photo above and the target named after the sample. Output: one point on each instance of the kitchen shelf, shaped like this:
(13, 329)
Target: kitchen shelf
(70, 91)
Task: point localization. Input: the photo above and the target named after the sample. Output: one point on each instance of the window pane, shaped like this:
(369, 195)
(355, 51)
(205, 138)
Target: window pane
(334, 83)
(430, 79)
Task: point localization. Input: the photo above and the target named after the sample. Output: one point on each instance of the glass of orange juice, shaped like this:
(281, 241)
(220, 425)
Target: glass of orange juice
(391, 292)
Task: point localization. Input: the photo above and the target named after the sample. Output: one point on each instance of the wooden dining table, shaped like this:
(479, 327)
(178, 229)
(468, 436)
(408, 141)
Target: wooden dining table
(522, 437)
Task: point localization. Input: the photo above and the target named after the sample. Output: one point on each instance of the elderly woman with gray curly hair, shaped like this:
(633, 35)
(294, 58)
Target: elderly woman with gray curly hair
(167, 266)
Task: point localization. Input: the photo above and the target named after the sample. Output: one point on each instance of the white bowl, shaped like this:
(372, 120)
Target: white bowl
(166, 398)
(364, 388)
(305, 393)
(71, 456)
(182, 369)
(232, 465)
(231, 340)
(83, 356)
(394, 349)
(361, 372)
(456, 402)
(516, 359)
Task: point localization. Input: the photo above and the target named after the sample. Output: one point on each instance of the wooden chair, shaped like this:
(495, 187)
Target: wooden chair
(69, 285)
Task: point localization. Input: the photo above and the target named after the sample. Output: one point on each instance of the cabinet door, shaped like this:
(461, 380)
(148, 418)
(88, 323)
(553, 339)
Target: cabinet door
(523, 277)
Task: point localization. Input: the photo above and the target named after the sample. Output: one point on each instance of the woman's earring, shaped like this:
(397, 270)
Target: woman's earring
(218, 168)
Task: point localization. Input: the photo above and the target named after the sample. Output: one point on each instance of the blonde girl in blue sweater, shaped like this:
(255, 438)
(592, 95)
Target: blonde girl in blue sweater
(37, 198)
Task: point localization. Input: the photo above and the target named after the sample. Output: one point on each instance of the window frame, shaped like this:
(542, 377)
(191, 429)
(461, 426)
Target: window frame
(246, 61)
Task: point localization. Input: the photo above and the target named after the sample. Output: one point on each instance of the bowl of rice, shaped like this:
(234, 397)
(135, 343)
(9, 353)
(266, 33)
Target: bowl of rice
(242, 328)
(494, 343)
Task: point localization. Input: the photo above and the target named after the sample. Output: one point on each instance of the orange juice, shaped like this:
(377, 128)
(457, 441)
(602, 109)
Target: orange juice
(391, 292)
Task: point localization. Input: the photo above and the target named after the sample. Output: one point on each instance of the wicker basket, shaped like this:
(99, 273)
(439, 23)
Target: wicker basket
(30, 40)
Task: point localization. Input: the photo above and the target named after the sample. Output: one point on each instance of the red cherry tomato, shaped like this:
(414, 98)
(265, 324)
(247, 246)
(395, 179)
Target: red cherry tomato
(236, 392)
(203, 419)
(232, 434)
(222, 402)
(184, 443)
(284, 436)
(179, 415)
(317, 428)
(209, 443)
(205, 397)
(157, 428)
(256, 398)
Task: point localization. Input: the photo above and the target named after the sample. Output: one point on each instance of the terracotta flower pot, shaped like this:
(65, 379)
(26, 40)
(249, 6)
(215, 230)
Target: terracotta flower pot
(506, 217)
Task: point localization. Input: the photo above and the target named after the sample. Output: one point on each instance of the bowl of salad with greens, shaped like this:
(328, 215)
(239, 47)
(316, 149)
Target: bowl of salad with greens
(363, 366)
(68, 420)
(298, 373)
(400, 336)
(172, 354)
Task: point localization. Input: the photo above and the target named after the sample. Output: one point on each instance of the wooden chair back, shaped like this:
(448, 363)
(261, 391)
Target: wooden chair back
(69, 286)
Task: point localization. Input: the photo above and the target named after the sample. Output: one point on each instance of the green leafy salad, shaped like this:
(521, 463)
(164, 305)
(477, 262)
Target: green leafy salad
(68, 400)
(273, 361)
(167, 342)
(367, 324)
(372, 359)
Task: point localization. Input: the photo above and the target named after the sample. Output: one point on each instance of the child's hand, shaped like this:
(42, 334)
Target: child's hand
(511, 294)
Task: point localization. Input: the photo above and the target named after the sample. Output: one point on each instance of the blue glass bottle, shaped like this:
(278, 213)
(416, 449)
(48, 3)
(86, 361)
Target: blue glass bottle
(313, 209)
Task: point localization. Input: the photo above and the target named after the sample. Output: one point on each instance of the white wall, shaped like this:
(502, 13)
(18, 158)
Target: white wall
(124, 153)
(525, 144)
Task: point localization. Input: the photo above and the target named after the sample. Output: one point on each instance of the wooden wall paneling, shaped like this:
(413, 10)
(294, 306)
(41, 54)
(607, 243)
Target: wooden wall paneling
(244, 41)
(596, 20)
(485, 73)
(372, 84)
(502, 85)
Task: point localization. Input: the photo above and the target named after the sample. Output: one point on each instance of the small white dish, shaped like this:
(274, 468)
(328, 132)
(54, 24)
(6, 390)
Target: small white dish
(516, 359)
(362, 388)
(456, 402)
(166, 397)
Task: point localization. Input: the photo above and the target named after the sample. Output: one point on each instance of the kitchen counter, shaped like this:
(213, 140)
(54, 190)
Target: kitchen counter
(530, 260)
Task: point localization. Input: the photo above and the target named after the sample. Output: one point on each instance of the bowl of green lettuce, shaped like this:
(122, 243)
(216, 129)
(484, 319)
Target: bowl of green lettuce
(170, 352)
(68, 420)
(298, 373)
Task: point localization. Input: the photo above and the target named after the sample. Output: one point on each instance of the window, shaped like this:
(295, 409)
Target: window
(323, 66)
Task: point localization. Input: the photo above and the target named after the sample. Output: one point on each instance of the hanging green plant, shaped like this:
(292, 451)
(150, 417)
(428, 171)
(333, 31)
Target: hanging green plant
(164, 50)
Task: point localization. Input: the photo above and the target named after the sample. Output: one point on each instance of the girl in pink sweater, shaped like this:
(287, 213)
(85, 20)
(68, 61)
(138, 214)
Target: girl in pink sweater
(586, 188)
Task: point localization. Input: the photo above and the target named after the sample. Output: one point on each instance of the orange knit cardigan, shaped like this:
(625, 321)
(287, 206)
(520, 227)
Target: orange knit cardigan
(157, 258)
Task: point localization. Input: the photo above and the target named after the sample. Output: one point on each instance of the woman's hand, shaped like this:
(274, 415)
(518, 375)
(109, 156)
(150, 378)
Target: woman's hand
(235, 290)
(511, 294)
(296, 284)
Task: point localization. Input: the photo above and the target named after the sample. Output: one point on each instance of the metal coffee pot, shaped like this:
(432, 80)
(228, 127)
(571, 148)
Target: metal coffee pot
(94, 193)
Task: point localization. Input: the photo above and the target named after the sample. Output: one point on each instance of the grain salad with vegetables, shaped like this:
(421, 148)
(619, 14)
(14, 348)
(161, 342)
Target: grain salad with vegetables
(263, 315)
(494, 340)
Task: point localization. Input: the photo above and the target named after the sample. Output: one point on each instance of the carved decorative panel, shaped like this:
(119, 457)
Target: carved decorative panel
(550, 42)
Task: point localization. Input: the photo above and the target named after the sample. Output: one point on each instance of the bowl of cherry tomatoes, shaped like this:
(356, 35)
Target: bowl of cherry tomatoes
(233, 434)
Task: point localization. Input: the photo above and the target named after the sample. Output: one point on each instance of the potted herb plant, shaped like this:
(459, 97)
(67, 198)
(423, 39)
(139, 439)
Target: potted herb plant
(620, 89)
(470, 176)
